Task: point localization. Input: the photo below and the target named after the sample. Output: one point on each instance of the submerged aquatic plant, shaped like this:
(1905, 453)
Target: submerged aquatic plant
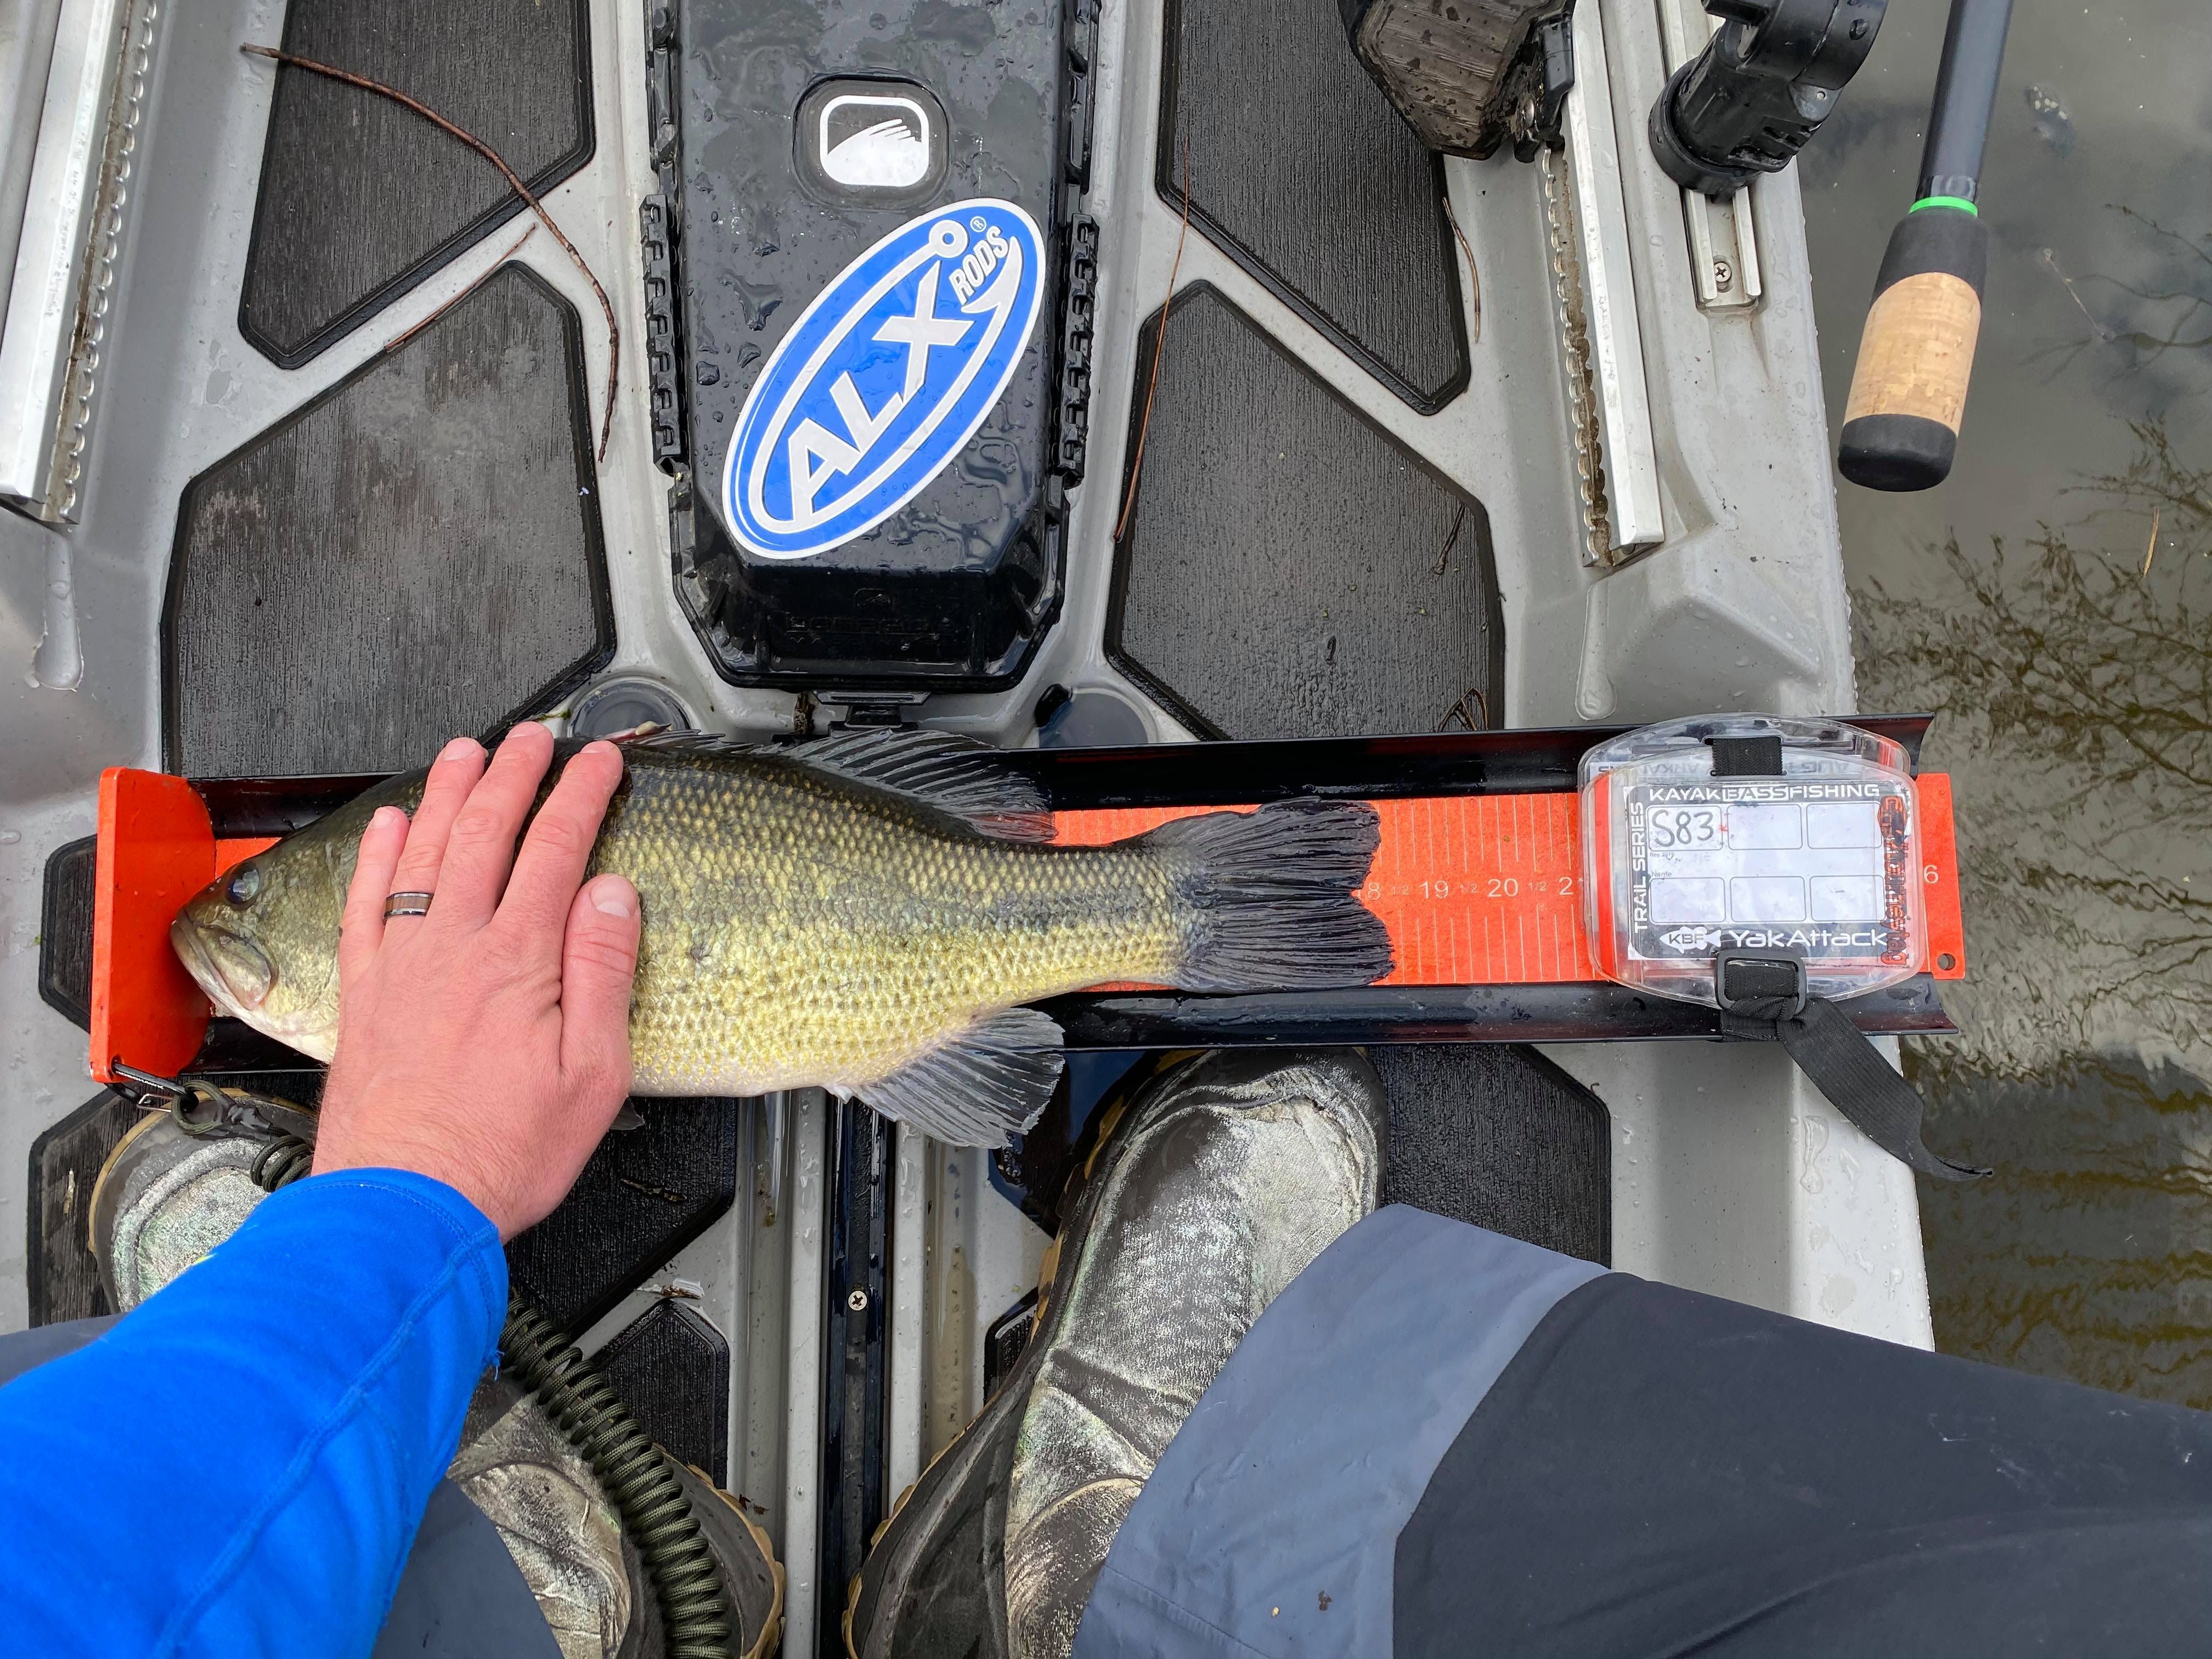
(2075, 688)
(2145, 321)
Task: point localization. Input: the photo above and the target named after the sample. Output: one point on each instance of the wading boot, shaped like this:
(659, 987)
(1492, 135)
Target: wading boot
(1214, 1182)
(169, 1193)
(165, 1198)
(537, 1487)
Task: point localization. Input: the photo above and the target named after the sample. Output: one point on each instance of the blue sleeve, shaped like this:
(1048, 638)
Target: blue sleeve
(238, 1467)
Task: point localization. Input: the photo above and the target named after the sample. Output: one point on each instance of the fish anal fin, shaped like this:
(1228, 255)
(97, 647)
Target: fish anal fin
(986, 1086)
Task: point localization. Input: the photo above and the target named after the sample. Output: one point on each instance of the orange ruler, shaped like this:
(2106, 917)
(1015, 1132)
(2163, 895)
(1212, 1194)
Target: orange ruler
(1486, 890)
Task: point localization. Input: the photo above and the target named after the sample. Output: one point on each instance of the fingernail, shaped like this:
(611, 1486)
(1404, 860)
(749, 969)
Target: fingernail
(388, 817)
(601, 746)
(458, 749)
(615, 898)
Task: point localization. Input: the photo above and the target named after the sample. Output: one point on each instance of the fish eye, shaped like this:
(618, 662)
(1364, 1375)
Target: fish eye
(244, 886)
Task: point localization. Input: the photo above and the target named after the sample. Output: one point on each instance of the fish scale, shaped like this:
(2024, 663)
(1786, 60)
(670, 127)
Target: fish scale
(849, 930)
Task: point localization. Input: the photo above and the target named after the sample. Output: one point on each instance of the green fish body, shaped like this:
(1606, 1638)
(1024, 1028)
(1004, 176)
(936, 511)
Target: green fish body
(864, 912)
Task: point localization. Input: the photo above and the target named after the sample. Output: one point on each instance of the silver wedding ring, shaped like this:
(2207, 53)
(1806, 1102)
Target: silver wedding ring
(407, 904)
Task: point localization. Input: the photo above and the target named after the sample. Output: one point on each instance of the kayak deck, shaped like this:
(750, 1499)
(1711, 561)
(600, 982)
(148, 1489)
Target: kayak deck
(340, 497)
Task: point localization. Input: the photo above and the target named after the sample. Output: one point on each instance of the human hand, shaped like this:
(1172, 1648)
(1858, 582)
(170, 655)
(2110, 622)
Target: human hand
(487, 1044)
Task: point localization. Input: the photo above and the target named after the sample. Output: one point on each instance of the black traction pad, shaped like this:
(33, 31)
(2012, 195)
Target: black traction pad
(644, 1195)
(65, 931)
(415, 554)
(1301, 171)
(359, 198)
(1290, 571)
(1498, 1136)
(672, 1370)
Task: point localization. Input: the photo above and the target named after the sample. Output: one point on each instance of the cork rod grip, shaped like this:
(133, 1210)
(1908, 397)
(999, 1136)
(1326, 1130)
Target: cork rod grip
(1908, 390)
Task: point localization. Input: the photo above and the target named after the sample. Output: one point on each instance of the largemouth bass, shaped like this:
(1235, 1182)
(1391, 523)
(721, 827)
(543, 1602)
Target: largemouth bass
(863, 912)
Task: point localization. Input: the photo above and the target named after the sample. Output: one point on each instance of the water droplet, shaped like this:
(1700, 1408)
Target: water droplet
(1816, 1141)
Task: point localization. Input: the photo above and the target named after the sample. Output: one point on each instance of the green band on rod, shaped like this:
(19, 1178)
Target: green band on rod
(1959, 202)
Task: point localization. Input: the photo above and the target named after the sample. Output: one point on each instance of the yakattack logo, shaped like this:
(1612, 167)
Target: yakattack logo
(1813, 938)
(884, 379)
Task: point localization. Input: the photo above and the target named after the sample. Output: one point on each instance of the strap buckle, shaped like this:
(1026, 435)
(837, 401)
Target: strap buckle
(1757, 986)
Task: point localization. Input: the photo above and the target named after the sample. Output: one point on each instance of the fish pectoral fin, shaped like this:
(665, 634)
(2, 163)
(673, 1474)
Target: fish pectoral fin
(986, 1086)
(953, 774)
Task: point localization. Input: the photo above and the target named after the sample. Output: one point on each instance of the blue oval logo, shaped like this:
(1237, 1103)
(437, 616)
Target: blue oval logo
(884, 379)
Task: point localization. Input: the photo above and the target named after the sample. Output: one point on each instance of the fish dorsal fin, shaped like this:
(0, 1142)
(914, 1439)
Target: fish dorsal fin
(943, 770)
(989, 1084)
(953, 774)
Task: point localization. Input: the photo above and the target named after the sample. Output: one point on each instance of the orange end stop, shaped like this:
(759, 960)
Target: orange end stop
(157, 848)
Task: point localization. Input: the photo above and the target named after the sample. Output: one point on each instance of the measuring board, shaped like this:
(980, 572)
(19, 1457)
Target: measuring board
(1475, 891)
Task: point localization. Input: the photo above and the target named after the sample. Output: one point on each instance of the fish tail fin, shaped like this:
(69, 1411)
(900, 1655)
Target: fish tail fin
(1264, 900)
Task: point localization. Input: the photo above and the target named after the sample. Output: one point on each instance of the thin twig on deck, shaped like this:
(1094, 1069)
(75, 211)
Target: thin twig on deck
(514, 182)
(1159, 348)
(1474, 277)
(490, 271)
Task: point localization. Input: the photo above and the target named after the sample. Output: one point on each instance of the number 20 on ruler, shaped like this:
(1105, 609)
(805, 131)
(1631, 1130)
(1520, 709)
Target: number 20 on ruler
(1495, 887)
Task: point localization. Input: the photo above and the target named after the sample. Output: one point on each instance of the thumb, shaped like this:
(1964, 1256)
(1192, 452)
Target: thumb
(599, 968)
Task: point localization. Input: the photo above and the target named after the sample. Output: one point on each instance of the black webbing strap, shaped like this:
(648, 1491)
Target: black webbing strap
(1763, 1000)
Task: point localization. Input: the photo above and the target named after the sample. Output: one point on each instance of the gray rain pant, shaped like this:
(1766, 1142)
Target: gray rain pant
(1439, 1440)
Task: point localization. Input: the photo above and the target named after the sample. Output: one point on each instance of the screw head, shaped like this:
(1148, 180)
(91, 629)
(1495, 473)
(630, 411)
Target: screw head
(1723, 275)
(857, 1300)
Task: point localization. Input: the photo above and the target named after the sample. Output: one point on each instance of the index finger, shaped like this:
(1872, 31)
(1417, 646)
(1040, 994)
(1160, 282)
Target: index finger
(361, 927)
(557, 850)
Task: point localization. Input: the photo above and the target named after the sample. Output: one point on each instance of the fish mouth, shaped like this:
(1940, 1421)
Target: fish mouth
(234, 972)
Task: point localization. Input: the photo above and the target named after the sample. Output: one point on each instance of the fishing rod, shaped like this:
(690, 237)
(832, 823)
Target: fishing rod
(1909, 390)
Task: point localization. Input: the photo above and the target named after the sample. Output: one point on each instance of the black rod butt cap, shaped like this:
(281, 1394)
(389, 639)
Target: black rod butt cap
(1897, 452)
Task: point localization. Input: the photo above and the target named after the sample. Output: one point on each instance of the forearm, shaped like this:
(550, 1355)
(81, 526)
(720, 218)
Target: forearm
(240, 1466)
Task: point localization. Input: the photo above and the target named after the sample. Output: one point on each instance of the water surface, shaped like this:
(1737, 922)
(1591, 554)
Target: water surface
(2053, 602)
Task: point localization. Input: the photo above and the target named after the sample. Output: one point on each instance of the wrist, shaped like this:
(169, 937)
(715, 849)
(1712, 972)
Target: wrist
(451, 1168)
(460, 1211)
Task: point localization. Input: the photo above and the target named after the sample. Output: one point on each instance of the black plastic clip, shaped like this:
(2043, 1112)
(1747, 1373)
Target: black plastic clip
(1747, 757)
(1756, 986)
